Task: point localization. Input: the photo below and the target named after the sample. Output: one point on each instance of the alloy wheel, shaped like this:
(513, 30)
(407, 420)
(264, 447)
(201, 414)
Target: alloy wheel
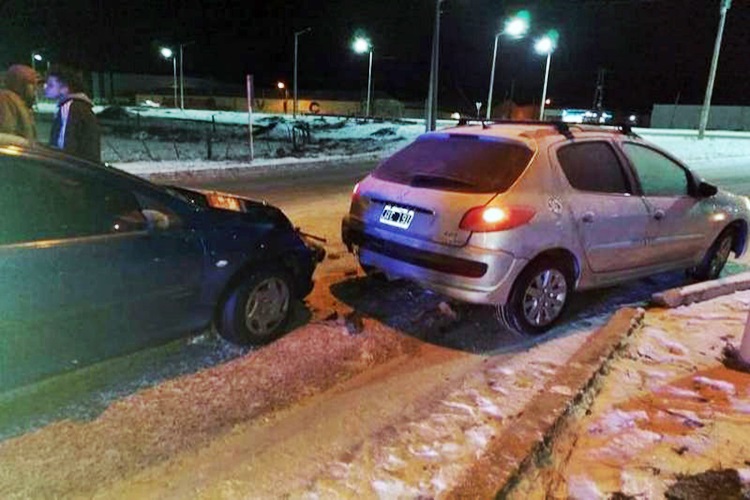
(544, 298)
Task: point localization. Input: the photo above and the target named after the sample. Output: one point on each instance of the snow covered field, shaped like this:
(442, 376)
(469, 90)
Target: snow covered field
(168, 140)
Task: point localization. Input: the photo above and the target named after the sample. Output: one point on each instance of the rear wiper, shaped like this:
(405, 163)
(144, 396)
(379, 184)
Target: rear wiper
(431, 180)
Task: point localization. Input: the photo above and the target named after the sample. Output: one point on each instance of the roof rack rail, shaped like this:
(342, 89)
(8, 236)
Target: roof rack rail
(627, 129)
(561, 126)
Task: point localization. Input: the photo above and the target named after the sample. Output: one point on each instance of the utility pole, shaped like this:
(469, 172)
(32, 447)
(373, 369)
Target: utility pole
(725, 5)
(432, 93)
(296, 51)
(599, 91)
(182, 81)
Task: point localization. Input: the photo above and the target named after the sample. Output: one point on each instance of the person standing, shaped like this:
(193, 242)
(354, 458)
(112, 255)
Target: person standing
(16, 100)
(75, 129)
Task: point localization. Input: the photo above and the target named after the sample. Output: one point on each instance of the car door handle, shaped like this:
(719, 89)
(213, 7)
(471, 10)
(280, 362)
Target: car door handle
(588, 217)
(659, 214)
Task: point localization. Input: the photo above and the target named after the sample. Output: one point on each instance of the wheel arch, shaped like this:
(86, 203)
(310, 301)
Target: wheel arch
(560, 254)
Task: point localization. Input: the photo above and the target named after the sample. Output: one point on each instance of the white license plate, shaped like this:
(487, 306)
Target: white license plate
(397, 216)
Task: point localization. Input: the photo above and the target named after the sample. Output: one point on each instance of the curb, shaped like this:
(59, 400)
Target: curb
(700, 292)
(250, 170)
(511, 455)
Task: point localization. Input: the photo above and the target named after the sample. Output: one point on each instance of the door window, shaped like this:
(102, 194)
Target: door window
(659, 175)
(593, 166)
(40, 201)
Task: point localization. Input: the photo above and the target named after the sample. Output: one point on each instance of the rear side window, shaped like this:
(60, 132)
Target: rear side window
(593, 166)
(41, 202)
(457, 163)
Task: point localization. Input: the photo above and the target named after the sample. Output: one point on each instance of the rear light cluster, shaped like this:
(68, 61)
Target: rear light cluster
(488, 219)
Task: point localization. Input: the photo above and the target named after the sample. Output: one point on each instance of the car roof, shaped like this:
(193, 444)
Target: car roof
(11, 145)
(14, 145)
(531, 132)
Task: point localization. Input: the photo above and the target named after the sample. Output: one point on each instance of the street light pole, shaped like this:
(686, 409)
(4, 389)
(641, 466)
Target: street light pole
(369, 85)
(432, 91)
(515, 27)
(725, 5)
(360, 46)
(296, 51)
(545, 46)
(182, 82)
(36, 56)
(182, 75)
(174, 79)
(168, 53)
(492, 78)
(544, 91)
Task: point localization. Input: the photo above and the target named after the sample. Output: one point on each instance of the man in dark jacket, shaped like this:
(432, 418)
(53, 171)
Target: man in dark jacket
(75, 129)
(16, 100)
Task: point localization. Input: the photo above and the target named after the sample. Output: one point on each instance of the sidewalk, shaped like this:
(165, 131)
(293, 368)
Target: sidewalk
(670, 420)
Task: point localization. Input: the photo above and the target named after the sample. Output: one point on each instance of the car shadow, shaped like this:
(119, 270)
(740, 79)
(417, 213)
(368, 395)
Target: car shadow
(83, 394)
(436, 319)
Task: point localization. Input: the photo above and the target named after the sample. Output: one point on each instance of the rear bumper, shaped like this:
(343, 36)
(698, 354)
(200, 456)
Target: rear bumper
(466, 273)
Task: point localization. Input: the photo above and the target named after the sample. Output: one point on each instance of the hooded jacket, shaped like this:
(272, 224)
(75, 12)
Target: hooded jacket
(75, 129)
(15, 116)
(16, 100)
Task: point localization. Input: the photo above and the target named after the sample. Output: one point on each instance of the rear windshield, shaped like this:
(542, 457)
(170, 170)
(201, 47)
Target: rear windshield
(457, 163)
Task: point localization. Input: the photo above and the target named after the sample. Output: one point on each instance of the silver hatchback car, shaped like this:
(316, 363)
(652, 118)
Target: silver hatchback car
(519, 215)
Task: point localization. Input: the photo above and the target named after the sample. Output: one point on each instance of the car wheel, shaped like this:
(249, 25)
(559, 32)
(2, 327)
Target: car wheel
(258, 309)
(716, 257)
(538, 298)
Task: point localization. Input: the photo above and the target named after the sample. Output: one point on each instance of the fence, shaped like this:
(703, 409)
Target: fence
(131, 137)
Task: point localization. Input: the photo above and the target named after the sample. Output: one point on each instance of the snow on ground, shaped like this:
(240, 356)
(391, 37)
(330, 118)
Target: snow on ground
(336, 137)
(667, 408)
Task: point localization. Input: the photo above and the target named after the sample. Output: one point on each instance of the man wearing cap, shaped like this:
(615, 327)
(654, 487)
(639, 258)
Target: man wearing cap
(16, 100)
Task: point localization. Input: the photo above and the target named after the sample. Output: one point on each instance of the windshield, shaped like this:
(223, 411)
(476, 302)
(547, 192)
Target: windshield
(457, 163)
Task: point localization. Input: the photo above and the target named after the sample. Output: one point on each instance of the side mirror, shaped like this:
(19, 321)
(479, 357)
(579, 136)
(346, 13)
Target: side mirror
(706, 190)
(155, 220)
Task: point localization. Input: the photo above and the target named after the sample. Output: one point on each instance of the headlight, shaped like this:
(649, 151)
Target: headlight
(225, 202)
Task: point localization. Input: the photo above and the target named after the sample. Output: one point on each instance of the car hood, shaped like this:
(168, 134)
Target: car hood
(227, 205)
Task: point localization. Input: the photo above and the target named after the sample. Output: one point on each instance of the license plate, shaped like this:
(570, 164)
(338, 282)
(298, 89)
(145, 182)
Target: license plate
(397, 216)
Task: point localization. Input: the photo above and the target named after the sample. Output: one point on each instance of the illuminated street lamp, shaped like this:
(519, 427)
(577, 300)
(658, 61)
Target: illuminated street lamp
(35, 58)
(360, 46)
(515, 28)
(546, 46)
(284, 93)
(167, 53)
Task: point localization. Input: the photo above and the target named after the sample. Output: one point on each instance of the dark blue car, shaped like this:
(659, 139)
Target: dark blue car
(96, 263)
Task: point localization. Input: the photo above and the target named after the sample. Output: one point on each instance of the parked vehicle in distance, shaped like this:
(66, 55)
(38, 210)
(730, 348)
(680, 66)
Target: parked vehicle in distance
(96, 263)
(520, 214)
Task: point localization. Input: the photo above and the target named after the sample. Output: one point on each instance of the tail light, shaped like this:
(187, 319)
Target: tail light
(355, 191)
(488, 219)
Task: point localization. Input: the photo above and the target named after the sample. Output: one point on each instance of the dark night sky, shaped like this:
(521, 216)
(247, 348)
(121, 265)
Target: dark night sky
(652, 50)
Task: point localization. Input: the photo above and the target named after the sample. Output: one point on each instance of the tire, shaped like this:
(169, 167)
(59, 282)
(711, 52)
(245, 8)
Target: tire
(257, 310)
(716, 257)
(523, 312)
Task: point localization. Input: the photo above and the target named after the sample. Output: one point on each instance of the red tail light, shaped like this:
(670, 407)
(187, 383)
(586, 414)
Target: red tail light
(488, 219)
